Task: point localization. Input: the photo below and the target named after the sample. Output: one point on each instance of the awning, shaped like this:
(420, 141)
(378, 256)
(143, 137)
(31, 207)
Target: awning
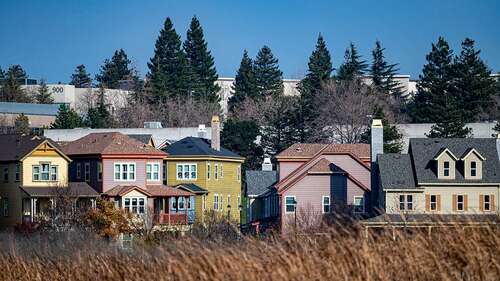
(74, 189)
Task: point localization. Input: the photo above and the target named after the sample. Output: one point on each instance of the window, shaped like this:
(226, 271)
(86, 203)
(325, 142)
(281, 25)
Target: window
(216, 174)
(239, 201)
(446, 170)
(45, 172)
(433, 202)
(238, 173)
(405, 202)
(204, 203)
(6, 173)
(221, 202)
(359, 204)
(216, 201)
(326, 204)
(153, 171)
(18, 171)
(221, 171)
(229, 200)
(181, 202)
(208, 171)
(174, 203)
(486, 202)
(124, 171)
(460, 203)
(99, 171)
(290, 204)
(87, 171)
(186, 171)
(78, 171)
(5, 206)
(135, 205)
(473, 168)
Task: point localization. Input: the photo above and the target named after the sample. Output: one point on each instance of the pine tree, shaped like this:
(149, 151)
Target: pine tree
(383, 73)
(80, 78)
(168, 69)
(11, 90)
(268, 76)
(22, 124)
(67, 118)
(201, 64)
(320, 69)
(115, 70)
(99, 117)
(244, 83)
(352, 66)
(240, 137)
(2, 75)
(434, 88)
(472, 84)
(43, 95)
(451, 124)
(393, 139)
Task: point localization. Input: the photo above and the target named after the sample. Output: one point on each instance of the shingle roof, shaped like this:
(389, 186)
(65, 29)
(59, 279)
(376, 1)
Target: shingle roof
(259, 182)
(396, 171)
(192, 146)
(29, 108)
(192, 188)
(76, 189)
(308, 150)
(121, 190)
(144, 138)
(424, 150)
(163, 190)
(13, 147)
(109, 143)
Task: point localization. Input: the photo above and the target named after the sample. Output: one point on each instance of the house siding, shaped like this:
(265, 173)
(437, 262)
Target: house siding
(108, 181)
(286, 168)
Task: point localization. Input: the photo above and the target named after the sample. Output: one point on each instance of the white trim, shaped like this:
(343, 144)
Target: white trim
(354, 204)
(189, 164)
(152, 171)
(295, 205)
(323, 204)
(463, 203)
(484, 202)
(449, 152)
(121, 164)
(476, 152)
(216, 202)
(209, 171)
(435, 203)
(216, 171)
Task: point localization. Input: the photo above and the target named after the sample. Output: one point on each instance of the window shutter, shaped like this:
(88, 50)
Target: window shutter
(427, 202)
(438, 202)
(466, 202)
(454, 203)
(492, 199)
(481, 202)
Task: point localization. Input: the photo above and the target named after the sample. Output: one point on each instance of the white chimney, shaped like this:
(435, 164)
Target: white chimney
(377, 139)
(215, 133)
(498, 145)
(202, 131)
(267, 165)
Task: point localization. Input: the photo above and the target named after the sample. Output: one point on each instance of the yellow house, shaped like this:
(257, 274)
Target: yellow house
(33, 174)
(208, 170)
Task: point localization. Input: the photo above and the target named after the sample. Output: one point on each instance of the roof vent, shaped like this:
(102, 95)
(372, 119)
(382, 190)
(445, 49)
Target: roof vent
(152, 125)
(267, 165)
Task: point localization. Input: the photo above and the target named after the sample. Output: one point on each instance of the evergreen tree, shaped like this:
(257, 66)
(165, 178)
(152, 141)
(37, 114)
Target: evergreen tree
(352, 66)
(114, 70)
(434, 89)
(11, 90)
(472, 84)
(268, 76)
(452, 124)
(240, 137)
(201, 64)
(2, 75)
(22, 124)
(244, 83)
(43, 95)
(393, 139)
(169, 72)
(383, 73)
(99, 117)
(496, 129)
(80, 78)
(320, 69)
(67, 118)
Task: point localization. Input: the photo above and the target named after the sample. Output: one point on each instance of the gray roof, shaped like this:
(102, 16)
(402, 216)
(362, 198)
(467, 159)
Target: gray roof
(192, 146)
(424, 150)
(259, 182)
(396, 171)
(29, 108)
(196, 189)
(76, 189)
(144, 138)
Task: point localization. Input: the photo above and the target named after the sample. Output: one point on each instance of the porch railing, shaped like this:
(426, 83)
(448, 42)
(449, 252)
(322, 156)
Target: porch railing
(172, 219)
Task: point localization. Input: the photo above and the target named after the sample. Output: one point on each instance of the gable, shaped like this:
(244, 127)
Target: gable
(46, 149)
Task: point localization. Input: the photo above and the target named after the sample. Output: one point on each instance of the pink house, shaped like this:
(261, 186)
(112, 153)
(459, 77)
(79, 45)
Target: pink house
(318, 179)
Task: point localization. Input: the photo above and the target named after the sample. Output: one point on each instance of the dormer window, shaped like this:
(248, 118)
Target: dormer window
(473, 168)
(472, 164)
(446, 168)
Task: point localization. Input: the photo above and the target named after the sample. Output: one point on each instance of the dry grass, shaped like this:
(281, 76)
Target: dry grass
(453, 254)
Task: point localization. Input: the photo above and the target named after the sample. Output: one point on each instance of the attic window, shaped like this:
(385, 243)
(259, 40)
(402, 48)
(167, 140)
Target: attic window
(446, 168)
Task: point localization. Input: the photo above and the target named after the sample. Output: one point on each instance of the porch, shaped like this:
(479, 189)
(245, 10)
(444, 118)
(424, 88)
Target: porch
(174, 210)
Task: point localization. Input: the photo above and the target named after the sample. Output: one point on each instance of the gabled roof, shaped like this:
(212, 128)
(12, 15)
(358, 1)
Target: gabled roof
(192, 147)
(396, 171)
(308, 150)
(14, 147)
(75, 189)
(443, 151)
(469, 151)
(109, 144)
(422, 152)
(259, 182)
(144, 138)
(164, 190)
(191, 187)
(122, 190)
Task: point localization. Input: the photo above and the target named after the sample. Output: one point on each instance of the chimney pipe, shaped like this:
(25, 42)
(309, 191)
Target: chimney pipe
(215, 133)
(202, 131)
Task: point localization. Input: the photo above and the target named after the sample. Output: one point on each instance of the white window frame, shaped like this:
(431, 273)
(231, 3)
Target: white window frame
(78, 170)
(99, 171)
(293, 204)
(221, 171)
(216, 201)
(431, 203)
(473, 169)
(238, 173)
(121, 171)
(18, 172)
(51, 176)
(445, 169)
(153, 175)
(216, 172)
(204, 202)
(130, 207)
(323, 205)
(406, 203)
(190, 172)
(86, 171)
(486, 203)
(354, 204)
(209, 170)
(229, 200)
(239, 201)
(221, 202)
(458, 203)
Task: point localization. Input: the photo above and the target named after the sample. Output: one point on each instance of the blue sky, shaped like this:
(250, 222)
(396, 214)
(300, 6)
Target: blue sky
(49, 38)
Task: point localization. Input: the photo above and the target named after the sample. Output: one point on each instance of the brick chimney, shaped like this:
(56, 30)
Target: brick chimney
(215, 133)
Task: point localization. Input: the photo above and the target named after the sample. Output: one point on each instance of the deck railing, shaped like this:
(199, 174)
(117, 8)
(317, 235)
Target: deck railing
(172, 219)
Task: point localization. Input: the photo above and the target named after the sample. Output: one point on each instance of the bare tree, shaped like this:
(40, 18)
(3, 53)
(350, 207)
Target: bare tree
(345, 108)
